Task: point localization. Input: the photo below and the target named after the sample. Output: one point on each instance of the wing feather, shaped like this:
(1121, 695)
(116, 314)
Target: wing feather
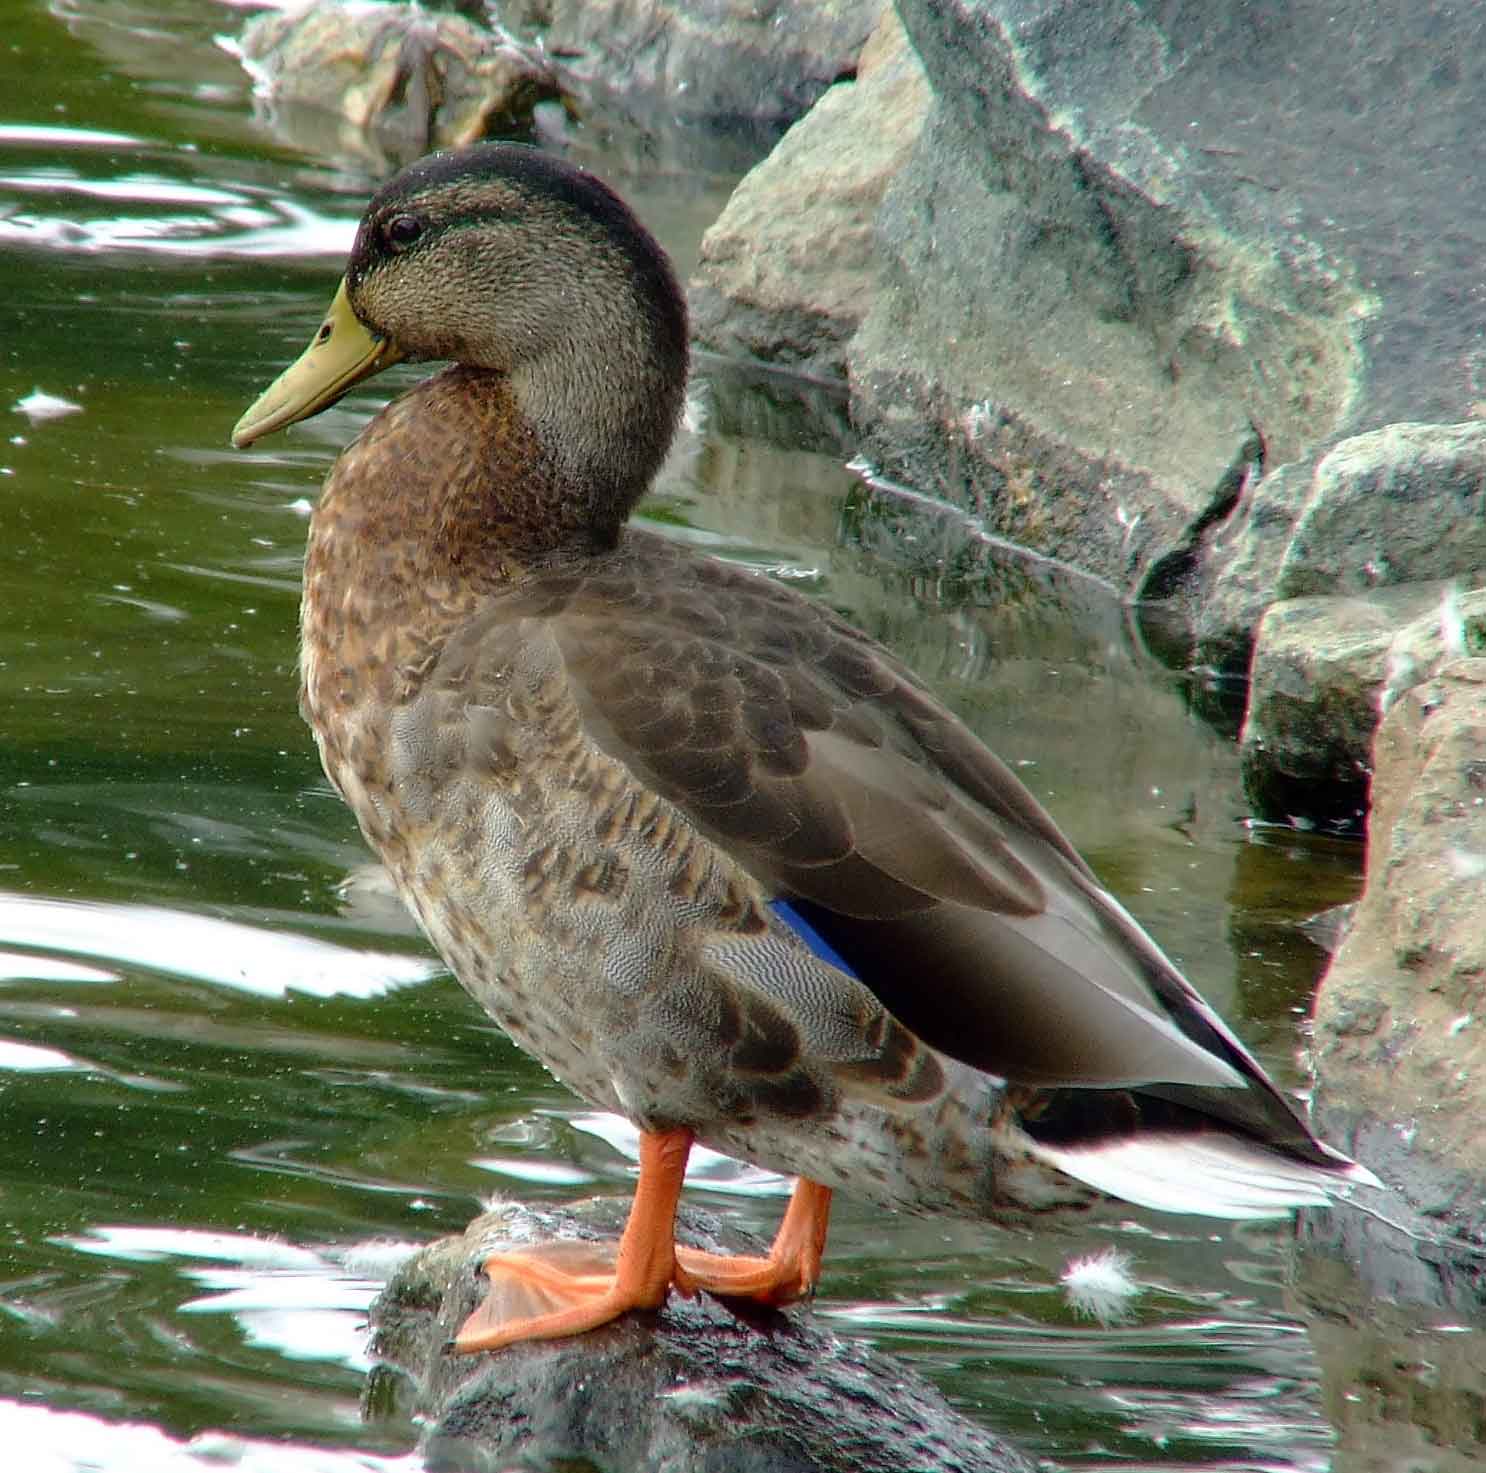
(817, 761)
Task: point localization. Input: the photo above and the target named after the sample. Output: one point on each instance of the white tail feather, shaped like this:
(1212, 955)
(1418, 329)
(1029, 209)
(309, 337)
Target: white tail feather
(1216, 1176)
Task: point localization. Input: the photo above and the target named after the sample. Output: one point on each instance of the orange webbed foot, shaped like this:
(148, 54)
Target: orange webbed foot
(551, 1291)
(559, 1289)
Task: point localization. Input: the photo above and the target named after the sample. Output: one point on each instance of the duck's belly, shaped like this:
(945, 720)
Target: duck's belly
(576, 907)
(593, 924)
(523, 920)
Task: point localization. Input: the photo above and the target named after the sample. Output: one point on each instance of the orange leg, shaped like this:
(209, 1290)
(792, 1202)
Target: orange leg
(792, 1268)
(647, 1263)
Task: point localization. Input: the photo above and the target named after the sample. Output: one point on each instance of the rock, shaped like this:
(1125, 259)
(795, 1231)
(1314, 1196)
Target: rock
(692, 1388)
(398, 80)
(1087, 328)
(1126, 274)
(1399, 504)
(1400, 1031)
(787, 271)
(716, 62)
(1324, 670)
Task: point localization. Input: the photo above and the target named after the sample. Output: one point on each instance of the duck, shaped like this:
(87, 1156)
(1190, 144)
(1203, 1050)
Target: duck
(711, 854)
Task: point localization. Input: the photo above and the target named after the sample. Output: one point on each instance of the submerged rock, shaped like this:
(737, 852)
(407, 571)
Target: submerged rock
(388, 80)
(694, 1388)
(713, 62)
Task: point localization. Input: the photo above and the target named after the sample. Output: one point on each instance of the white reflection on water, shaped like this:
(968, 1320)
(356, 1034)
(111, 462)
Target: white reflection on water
(152, 1244)
(534, 1172)
(38, 406)
(266, 963)
(305, 1304)
(19, 965)
(39, 134)
(44, 1440)
(706, 1168)
(144, 188)
(31, 1057)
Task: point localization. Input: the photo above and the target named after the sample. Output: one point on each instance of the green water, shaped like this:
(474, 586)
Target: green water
(235, 1086)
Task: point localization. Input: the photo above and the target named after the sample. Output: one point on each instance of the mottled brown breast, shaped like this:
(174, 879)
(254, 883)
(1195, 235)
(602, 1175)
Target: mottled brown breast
(442, 499)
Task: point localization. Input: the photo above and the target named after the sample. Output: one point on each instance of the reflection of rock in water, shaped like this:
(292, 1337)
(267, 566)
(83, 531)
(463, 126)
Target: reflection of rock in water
(691, 1388)
(380, 84)
(392, 81)
(1397, 1314)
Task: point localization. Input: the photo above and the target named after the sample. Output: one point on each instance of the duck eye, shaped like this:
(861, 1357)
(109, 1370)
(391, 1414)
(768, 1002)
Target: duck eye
(401, 231)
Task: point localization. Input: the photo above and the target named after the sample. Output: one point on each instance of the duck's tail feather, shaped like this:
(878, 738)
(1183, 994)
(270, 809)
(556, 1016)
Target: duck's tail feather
(1212, 1174)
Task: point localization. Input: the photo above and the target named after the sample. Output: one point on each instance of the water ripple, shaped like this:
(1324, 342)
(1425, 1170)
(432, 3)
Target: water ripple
(229, 225)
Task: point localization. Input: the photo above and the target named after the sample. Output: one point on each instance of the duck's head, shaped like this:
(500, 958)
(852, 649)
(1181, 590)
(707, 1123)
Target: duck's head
(504, 259)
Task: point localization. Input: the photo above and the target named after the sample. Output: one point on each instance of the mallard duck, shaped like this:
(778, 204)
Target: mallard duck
(707, 851)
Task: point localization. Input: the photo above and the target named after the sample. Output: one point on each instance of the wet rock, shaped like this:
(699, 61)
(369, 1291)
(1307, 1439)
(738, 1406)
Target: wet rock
(1400, 1031)
(1324, 670)
(1400, 504)
(788, 270)
(694, 1387)
(707, 61)
(388, 82)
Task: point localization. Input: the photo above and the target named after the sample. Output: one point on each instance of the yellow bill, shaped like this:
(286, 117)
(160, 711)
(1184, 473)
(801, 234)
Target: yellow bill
(340, 355)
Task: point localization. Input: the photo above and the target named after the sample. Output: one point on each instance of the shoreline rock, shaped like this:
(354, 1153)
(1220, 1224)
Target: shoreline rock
(1400, 1026)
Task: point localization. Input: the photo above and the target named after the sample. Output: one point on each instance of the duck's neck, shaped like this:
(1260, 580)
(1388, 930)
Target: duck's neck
(459, 479)
(604, 405)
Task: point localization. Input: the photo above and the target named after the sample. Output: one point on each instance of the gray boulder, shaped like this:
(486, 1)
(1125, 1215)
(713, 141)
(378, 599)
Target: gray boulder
(789, 269)
(1325, 669)
(1087, 323)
